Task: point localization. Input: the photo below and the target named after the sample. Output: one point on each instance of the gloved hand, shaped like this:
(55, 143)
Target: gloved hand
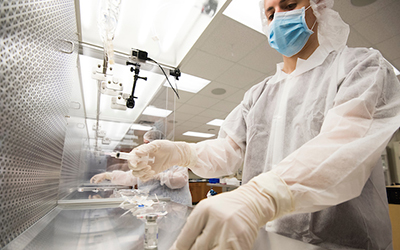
(100, 177)
(166, 154)
(157, 176)
(232, 220)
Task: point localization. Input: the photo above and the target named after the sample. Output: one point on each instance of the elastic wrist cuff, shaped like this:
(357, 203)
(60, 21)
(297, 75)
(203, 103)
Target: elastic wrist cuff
(108, 175)
(272, 184)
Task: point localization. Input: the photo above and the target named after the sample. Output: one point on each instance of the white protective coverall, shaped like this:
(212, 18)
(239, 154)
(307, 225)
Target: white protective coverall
(322, 130)
(311, 140)
(172, 183)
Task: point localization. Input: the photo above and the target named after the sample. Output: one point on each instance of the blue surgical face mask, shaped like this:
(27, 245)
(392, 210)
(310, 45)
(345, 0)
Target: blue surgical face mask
(288, 32)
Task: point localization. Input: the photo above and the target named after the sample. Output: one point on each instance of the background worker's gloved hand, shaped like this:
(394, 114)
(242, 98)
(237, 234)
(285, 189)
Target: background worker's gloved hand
(166, 154)
(100, 177)
(232, 220)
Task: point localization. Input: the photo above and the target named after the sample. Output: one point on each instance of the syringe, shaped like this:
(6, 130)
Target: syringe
(128, 156)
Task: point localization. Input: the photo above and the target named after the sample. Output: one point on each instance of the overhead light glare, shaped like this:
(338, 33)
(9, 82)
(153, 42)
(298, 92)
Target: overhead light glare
(248, 17)
(153, 111)
(140, 127)
(189, 83)
(197, 134)
(216, 122)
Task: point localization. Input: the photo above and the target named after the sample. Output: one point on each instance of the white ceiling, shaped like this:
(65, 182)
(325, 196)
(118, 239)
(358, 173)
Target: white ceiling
(235, 57)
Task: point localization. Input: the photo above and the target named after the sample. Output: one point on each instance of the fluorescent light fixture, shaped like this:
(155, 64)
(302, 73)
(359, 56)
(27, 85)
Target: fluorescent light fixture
(140, 127)
(188, 83)
(197, 134)
(113, 130)
(246, 12)
(157, 30)
(153, 111)
(216, 122)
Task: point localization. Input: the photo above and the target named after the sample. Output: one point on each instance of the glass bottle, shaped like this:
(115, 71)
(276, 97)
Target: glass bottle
(151, 232)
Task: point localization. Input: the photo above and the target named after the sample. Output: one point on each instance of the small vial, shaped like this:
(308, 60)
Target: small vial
(151, 232)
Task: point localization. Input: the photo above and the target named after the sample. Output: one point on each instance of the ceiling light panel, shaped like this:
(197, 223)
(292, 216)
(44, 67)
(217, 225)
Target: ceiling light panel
(188, 83)
(166, 29)
(244, 11)
(153, 111)
(216, 122)
(114, 131)
(140, 127)
(197, 134)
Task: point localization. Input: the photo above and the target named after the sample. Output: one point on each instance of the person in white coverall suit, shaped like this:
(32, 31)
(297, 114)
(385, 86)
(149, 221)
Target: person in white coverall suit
(172, 183)
(310, 138)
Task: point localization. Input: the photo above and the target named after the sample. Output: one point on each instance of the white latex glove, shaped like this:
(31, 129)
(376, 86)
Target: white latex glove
(166, 154)
(232, 220)
(100, 177)
(157, 176)
(175, 177)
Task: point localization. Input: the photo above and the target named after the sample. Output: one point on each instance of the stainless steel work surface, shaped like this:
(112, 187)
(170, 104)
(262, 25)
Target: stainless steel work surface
(84, 228)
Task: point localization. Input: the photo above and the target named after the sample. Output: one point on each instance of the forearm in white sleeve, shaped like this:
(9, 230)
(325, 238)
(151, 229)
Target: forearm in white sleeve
(216, 158)
(123, 178)
(175, 177)
(334, 166)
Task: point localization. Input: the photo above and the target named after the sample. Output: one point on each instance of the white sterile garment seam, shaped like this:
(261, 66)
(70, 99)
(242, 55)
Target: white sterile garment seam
(324, 142)
(232, 220)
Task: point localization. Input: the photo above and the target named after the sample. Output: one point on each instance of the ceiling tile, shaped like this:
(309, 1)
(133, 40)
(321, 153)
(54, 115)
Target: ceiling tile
(259, 80)
(352, 14)
(190, 109)
(380, 25)
(214, 114)
(202, 101)
(214, 25)
(224, 106)
(184, 96)
(390, 48)
(237, 97)
(232, 40)
(190, 125)
(206, 65)
(239, 76)
(208, 129)
(263, 58)
(217, 85)
(357, 40)
(396, 64)
(200, 119)
(182, 117)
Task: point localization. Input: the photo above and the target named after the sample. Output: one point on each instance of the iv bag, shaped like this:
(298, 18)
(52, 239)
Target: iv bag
(107, 23)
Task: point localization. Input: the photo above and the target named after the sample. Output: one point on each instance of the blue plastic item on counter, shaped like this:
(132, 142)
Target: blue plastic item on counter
(213, 180)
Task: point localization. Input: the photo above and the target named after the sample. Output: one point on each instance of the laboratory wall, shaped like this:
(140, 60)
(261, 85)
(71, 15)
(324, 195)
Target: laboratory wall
(38, 68)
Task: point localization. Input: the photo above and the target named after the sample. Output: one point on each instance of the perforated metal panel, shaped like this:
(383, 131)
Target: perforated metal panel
(35, 88)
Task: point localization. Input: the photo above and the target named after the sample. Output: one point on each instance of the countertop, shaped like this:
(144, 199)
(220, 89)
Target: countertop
(85, 224)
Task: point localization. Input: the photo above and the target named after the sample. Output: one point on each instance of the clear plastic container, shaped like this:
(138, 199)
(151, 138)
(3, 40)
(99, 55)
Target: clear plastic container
(130, 193)
(151, 232)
